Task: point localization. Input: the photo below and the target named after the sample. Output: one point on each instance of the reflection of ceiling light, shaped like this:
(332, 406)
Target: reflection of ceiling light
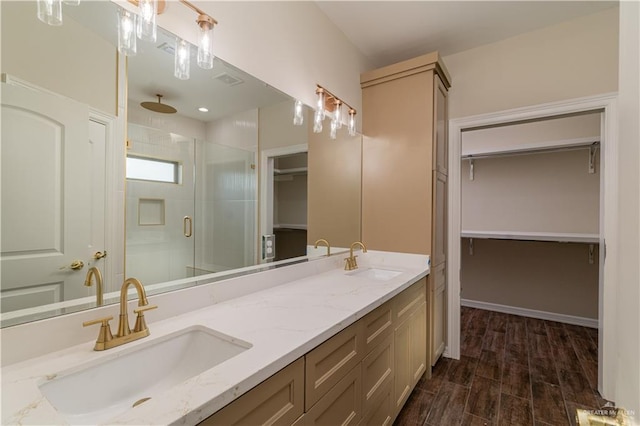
(203, 109)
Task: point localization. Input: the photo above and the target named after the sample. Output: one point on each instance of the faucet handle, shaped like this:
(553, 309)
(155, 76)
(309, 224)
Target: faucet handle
(140, 322)
(104, 335)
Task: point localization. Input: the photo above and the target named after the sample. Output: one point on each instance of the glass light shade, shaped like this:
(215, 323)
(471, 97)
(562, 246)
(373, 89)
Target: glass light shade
(147, 28)
(127, 44)
(338, 115)
(298, 118)
(182, 61)
(352, 123)
(317, 122)
(50, 11)
(320, 104)
(71, 2)
(334, 129)
(205, 45)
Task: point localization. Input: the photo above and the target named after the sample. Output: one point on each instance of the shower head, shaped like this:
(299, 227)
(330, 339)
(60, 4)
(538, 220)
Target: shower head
(159, 106)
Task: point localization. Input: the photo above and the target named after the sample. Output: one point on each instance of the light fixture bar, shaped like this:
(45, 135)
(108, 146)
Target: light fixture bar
(197, 10)
(330, 102)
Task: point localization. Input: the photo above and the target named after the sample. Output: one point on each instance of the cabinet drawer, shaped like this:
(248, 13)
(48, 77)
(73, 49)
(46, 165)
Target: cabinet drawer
(377, 325)
(279, 400)
(377, 373)
(329, 362)
(382, 412)
(342, 405)
(408, 301)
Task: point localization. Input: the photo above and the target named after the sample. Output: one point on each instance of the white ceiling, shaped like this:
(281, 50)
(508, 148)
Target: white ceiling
(391, 31)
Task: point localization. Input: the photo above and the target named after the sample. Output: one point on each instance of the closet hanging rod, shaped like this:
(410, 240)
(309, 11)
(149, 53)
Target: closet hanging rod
(526, 151)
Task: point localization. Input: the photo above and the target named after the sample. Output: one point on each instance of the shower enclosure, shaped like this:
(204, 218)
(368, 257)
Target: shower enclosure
(190, 206)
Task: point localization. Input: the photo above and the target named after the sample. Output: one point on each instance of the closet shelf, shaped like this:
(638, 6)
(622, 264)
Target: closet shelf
(534, 148)
(291, 171)
(533, 236)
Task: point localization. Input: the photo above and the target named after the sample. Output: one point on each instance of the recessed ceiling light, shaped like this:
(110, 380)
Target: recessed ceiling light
(203, 109)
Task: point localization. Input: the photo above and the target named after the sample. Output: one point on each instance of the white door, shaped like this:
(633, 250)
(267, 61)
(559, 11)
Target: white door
(47, 200)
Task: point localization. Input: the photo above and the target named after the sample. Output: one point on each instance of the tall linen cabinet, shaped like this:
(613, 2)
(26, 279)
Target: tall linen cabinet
(404, 171)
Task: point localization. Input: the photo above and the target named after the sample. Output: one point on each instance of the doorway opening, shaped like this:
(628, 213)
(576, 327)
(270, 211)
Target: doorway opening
(606, 236)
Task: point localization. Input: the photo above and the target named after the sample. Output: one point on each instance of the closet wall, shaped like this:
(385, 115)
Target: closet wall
(530, 217)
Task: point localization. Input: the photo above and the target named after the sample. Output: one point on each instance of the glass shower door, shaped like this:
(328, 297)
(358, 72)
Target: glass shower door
(160, 205)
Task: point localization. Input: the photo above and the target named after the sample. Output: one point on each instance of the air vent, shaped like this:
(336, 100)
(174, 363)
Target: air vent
(167, 48)
(228, 79)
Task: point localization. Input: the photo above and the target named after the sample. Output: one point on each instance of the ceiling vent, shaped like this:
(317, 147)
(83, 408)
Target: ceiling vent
(228, 79)
(167, 48)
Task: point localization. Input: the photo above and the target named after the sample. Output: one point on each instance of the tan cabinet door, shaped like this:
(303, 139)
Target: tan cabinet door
(279, 400)
(342, 405)
(329, 362)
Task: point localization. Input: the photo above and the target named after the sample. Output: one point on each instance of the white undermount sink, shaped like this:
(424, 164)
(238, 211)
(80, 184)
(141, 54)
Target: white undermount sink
(98, 391)
(375, 274)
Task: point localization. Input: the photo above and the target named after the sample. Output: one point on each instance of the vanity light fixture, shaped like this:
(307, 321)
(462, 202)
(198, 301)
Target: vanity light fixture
(298, 118)
(333, 132)
(337, 114)
(318, 116)
(50, 11)
(147, 29)
(182, 59)
(327, 101)
(352, 122)
(127, 42)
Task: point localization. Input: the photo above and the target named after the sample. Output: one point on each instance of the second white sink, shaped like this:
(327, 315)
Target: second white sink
(376, 274)
(94, 393)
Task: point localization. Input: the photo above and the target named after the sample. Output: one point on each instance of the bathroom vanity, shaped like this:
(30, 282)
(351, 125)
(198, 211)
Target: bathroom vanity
(296, 344)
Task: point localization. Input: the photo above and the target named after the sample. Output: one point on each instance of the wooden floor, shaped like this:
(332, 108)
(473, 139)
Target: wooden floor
(513, 371)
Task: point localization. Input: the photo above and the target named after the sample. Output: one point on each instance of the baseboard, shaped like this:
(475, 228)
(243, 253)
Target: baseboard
(550, 316)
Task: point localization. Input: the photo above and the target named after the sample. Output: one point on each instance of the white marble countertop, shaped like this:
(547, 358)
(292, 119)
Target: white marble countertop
(281, 322)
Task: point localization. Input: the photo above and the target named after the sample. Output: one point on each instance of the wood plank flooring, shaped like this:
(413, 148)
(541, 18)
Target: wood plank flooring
(513, 371)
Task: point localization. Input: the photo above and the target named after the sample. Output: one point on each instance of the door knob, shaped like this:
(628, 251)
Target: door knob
(75, 265)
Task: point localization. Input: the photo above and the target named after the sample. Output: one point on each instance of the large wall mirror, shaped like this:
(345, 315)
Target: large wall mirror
(188, 200)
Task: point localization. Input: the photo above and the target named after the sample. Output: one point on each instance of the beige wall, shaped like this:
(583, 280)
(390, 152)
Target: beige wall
(334, 188)
(69, 60)
(628, 312)
(551, 192)
(544, 276)
(569, 60)
(276, 127)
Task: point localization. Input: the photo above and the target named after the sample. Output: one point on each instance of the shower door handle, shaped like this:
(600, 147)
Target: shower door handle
(187, 226)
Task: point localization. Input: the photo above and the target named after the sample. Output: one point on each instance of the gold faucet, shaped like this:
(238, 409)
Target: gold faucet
(326, 243)
(95, 272)
(351, 262)
(105, 339)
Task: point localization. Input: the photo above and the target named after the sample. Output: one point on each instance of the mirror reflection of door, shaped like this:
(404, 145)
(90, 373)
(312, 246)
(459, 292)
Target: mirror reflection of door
(53, 179)
(290, 205)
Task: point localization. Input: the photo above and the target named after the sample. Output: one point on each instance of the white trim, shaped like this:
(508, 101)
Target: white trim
(608, 213)
(562, 237)
(266, 186)
(532, 313)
